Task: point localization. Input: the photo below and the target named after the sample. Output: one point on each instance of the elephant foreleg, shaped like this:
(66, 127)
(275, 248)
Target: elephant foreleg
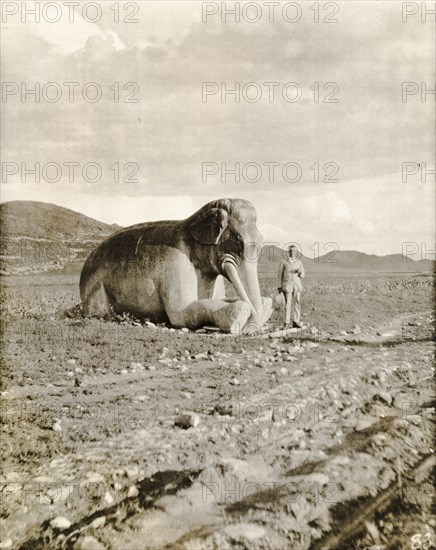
(228, 317)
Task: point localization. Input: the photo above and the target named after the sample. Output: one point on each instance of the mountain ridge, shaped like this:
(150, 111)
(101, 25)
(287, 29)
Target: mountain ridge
(39, 236)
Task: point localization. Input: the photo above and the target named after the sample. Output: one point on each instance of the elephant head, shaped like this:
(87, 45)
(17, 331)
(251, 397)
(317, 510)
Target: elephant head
(223, 239)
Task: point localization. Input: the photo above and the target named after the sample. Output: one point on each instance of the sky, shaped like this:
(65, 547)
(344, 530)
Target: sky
(164, 153)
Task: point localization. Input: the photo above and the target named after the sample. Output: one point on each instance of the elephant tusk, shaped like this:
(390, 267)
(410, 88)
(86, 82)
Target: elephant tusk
(234, 278)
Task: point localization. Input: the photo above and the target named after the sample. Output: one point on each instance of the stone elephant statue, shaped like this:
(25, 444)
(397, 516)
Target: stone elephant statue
(173, 270)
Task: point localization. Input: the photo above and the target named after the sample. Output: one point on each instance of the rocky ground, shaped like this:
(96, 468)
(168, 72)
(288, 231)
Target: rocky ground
(122, 434)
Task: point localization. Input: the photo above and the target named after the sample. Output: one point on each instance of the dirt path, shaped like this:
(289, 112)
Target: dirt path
(289, 432)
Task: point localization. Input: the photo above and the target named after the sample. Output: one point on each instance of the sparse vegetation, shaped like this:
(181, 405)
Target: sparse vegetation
(93, 402)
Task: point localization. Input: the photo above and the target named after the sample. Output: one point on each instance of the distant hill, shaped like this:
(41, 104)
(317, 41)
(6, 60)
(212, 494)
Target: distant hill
(37, 236)
(345, 260)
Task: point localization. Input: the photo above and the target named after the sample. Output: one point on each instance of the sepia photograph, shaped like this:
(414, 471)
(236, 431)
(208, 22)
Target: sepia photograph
(217, 275)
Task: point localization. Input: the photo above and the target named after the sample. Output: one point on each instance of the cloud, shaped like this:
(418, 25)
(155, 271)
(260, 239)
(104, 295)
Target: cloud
(274, 234)
(67, 37)
(170, 132)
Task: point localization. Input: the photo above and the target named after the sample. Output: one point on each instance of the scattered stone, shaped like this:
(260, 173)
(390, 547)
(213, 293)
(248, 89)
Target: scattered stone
(6, 543)
(136, 366)
(373, 531)
(310, 345)
(363, 424)
(343, 333)
(151, 367)
(183, 368)
(388, 526)
(94, 477)
(380, 376)
(149, 324)
(234, 382)
(384, 397)
(142, 397)
(44, 479)
(402, 400)
(333, 394)
(249, 531)
(71, 362)
(200, 356)
(132, 491)
(165, 351)
(379, 439)
(88, 543)
(132, 473)
(184, 329)
(108, 498)
(98, 522)
(357, 330)
(386, 334)
(124, 371)
(340, 459)
(187, 420)
(283, 371)
(78, 370)
(57, 426)
(60, 523)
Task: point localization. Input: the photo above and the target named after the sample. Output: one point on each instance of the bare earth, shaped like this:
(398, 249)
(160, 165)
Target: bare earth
(320, 439)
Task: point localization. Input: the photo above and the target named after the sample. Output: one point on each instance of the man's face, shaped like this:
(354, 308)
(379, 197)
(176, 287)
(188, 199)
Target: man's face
(293, 252)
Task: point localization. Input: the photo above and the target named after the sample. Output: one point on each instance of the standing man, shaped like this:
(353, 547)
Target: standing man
(291, 271)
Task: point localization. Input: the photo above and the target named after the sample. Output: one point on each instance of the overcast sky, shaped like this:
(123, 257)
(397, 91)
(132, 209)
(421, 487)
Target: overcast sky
(171, 131)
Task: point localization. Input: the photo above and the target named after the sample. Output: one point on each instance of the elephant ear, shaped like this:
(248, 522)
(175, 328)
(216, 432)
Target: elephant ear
(208, 228)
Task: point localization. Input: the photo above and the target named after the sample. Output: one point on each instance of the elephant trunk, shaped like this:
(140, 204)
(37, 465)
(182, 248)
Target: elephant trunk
(246, 282)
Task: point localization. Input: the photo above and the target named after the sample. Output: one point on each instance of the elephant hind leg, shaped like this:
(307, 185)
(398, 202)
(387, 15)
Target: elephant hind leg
(97, 302)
